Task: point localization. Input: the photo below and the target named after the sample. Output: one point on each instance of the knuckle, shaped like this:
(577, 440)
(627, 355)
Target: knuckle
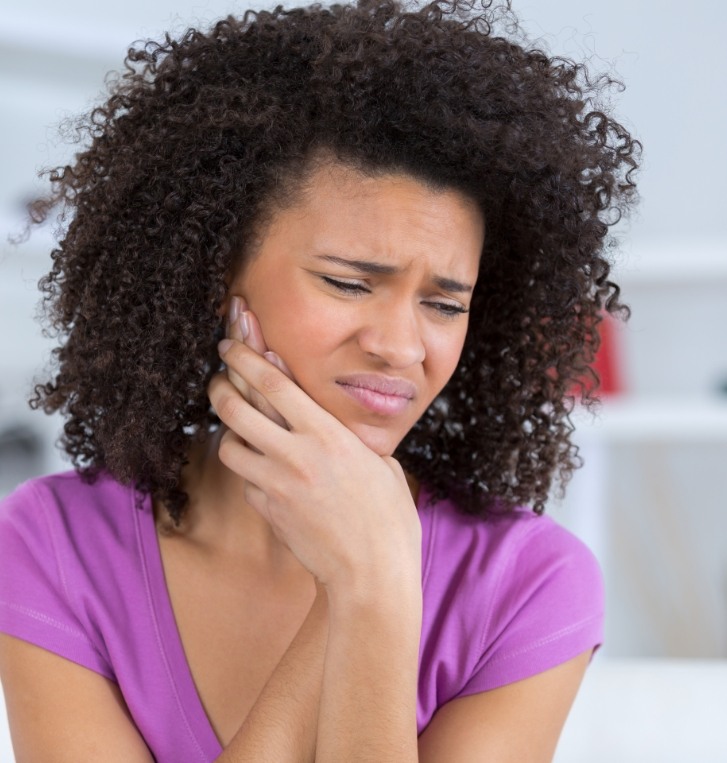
(270, 382)
(306, 473)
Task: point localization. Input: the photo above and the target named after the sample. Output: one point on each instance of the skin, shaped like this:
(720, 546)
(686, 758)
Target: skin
(301, 553)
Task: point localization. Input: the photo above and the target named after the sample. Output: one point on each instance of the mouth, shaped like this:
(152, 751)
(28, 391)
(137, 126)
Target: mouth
(383, 395)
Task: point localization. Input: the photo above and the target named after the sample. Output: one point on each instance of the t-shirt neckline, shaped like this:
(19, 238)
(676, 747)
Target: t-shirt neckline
(170, 640)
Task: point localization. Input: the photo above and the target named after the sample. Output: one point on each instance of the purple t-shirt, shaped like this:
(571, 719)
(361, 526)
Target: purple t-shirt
(81, 575)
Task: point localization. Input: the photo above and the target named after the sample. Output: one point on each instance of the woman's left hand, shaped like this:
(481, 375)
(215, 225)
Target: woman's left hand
(344, 511)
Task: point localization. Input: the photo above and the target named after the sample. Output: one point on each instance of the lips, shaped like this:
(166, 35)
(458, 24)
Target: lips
(384, 395)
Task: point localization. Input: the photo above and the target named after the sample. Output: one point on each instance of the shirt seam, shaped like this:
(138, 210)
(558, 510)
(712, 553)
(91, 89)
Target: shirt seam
(54, 546)
(544, 641)
(46, 619)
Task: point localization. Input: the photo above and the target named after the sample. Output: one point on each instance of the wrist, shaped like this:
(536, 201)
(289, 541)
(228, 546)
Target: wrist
(386, 572)
(370, 597)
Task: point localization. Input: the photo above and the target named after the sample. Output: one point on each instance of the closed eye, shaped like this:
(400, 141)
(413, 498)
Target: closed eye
(448, 309)
(348, 287)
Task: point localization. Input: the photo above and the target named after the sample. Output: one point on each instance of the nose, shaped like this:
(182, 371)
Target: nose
(392, 333)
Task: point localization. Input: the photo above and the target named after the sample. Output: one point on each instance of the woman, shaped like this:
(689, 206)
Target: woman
(310, 540)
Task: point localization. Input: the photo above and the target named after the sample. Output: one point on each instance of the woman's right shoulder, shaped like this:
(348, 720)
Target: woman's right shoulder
(62, 566)
(66, 508)
(69, 551)
(70, 495)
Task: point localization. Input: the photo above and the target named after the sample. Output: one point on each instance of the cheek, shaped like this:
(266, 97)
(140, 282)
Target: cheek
(299, 328)
(444, 355)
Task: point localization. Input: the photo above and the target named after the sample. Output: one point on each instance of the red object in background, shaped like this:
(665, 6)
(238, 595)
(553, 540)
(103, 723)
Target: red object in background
(606, 363)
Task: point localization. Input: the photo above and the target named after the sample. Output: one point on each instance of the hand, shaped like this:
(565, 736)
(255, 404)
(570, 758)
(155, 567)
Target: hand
(344, 511)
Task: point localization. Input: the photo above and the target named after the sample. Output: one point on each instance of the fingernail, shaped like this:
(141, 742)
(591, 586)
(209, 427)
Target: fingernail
(274, 359)
(224, 346)
(245, 324)
(234, 313)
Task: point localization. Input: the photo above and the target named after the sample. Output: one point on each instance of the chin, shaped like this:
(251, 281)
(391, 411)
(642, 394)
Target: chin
(381, 441)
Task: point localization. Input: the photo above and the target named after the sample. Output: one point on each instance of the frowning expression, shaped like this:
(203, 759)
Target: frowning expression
(362, 286)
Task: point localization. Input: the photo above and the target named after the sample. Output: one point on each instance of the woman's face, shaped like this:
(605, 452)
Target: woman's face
(362, 288)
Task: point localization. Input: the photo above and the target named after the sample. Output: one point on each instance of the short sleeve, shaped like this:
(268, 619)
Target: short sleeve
(34, 596)
(548, 608)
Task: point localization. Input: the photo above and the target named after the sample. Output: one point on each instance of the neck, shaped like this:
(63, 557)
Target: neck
(218, 519)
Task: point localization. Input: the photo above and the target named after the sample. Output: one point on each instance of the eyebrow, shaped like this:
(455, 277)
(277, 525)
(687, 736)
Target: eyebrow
(377, 268)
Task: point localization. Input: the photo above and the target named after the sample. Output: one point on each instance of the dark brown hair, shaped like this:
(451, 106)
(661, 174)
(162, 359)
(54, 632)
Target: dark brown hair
(198, 136)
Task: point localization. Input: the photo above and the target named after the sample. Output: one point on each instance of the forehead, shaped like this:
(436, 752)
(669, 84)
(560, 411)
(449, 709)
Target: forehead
(391, 217)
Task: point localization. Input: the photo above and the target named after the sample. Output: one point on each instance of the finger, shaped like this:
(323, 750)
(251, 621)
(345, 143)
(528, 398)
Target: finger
(244, 327)
(255, 341)
(281, 392)
(276, 360)
(256, 429)
(238, 456)
(252, 466)
(235, 331)
(257, 498)
(252, 332)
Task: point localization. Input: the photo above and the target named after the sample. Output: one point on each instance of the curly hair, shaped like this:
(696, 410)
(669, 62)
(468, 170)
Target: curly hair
(201, 136)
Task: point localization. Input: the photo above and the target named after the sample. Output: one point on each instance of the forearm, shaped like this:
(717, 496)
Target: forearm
(282, 724)
(368, 702)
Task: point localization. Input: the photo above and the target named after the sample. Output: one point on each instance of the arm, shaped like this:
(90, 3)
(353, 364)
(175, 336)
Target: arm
(368, 705)
(282, 724)
(60, 712)
(81, 711)
(517, 723)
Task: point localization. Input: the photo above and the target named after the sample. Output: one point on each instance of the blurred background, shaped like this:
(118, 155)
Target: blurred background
(651, 498)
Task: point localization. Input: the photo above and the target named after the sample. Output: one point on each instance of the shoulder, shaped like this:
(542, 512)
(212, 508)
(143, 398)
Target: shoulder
(62, 529)
(505, 597)
(505, 551)
(63, 507)
(69, 550)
